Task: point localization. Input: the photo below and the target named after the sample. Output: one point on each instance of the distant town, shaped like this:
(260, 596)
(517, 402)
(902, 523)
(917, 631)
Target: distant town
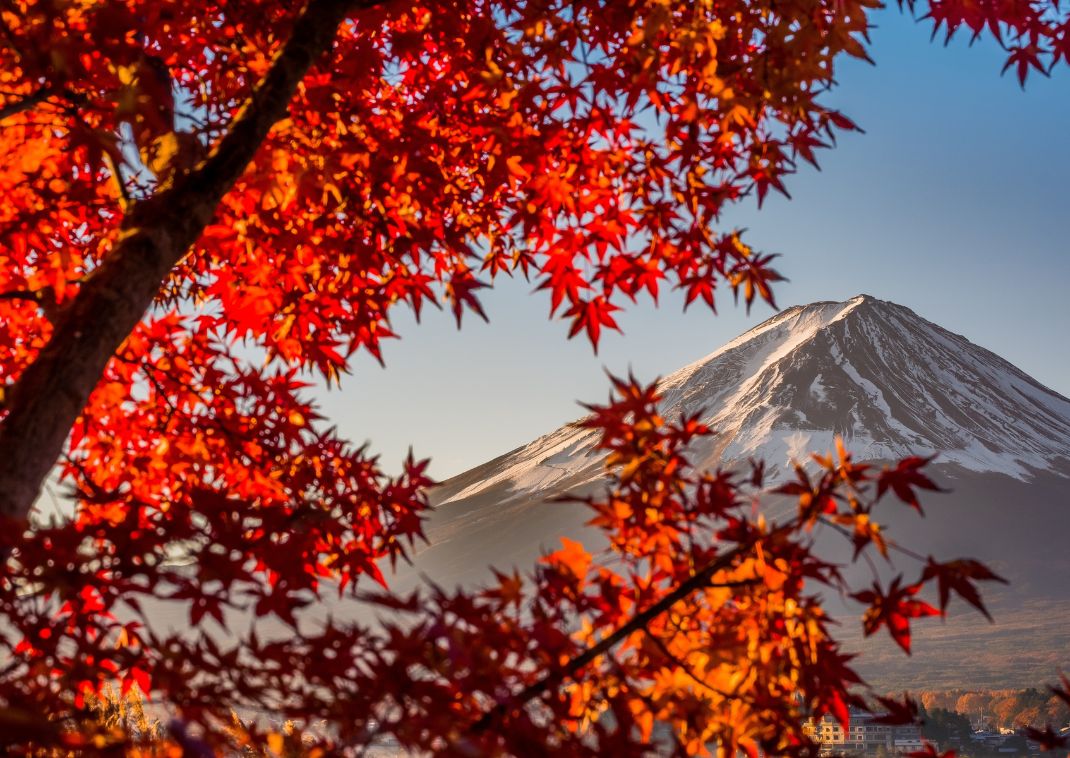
(973, 724)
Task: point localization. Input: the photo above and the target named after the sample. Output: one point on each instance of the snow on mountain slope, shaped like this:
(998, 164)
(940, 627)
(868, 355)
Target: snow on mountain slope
(892, 384)
(888, 381)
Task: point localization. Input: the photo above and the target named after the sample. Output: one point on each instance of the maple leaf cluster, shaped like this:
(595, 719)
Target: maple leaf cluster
(206, 202)
(1034, 33)
(703, 616)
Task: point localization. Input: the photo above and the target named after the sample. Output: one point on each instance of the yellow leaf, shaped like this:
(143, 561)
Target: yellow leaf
(163, 151)
(572, 556)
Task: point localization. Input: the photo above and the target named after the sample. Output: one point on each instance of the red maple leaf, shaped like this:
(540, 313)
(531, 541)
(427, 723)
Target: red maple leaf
(905, 478)
(893, 609)
(959, 576)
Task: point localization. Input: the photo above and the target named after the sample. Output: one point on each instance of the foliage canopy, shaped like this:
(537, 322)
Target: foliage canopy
(183, 176)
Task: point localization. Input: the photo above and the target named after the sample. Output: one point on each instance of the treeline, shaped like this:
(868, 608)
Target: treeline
(995, 709)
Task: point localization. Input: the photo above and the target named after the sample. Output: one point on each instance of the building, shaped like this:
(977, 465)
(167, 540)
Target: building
(863, 735)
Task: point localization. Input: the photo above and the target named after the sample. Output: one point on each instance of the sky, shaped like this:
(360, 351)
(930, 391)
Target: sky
(953, 203)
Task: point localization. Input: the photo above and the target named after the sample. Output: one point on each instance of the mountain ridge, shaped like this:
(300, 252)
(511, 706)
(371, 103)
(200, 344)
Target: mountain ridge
(874, 372)
(1008, 510)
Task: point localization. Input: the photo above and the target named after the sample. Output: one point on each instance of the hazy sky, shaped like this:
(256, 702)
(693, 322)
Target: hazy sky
(953, 203)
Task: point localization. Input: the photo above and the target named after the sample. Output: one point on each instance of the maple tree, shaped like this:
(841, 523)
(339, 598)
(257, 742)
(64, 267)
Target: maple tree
(182, 177)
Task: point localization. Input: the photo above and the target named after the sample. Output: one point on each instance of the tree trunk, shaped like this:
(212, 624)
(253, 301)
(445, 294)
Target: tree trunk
(157, 232)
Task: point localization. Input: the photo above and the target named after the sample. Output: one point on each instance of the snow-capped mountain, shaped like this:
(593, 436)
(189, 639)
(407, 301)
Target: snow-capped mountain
(890, 382)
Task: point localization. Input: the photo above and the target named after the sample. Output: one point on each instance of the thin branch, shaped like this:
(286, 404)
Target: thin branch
(44, 298)
(160, 390)
(112, 157)
(686, 667)
(699, 580)
(31, 296)
(893, 545)
(120, 183)
(27, 103)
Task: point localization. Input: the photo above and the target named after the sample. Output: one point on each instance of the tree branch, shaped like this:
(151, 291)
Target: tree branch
(155, 235)
(44, 298)
(32, 296)
(686, 667)
(27, 103)
(892, 544)
(639, 621)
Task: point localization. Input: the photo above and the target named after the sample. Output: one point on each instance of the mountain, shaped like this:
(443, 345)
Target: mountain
(892, 384)
(888, 381)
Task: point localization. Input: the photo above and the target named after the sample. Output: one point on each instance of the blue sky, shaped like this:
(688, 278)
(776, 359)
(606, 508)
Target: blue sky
(953, 203)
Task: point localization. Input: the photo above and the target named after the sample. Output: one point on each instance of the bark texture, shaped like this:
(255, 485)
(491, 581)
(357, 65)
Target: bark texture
(156, 234)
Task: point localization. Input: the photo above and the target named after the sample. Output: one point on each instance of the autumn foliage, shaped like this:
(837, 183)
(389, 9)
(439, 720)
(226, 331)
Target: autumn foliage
(184, 178)
(706, 619)
(1007, 709)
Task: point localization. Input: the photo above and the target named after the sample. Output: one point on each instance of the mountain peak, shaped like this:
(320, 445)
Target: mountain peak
(888, 381)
